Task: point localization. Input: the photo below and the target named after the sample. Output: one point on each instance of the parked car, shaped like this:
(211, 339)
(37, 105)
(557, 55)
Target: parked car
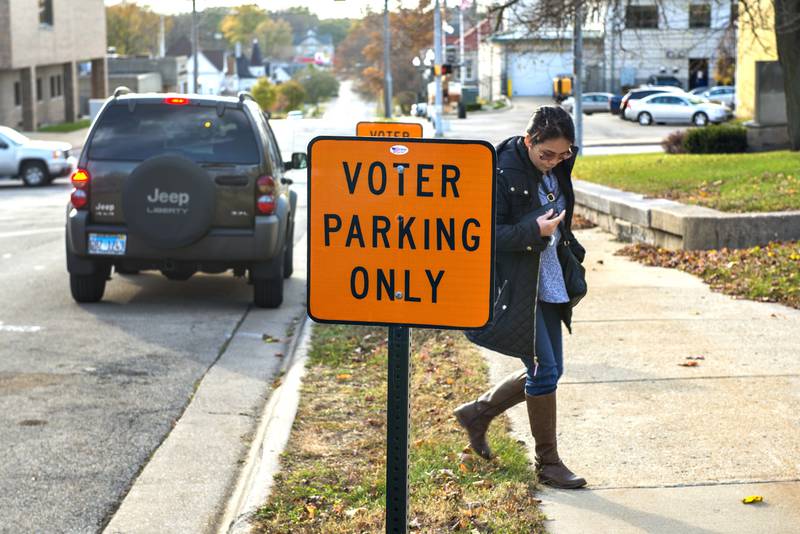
(181, 184)
(674, 108)
(419, 109)
(35, 162)
(295, 114)
(671, 81)
(642, 92)
(698, 91)
(724, 94)
(592, 103)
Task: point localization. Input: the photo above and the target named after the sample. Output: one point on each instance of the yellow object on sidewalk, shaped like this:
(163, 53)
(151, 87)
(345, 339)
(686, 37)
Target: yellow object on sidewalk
(752, 498)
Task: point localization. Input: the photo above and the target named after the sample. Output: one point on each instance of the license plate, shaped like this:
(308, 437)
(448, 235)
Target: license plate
(107, 244)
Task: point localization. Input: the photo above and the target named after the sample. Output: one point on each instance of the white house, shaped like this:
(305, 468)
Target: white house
(622, 47)
(216, 73)
(680, 38)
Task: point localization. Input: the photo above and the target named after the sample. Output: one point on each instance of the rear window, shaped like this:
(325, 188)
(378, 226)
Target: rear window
(195, 132)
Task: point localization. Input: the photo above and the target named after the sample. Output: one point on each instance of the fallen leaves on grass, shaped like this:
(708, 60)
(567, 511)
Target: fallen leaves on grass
(332, 477)
(769, 274)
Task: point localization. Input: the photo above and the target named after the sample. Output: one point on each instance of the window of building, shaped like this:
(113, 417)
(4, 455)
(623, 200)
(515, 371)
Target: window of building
(17, 94)
(52, 86)
(641, 17)
(468, 72)
(38, 88)
(700, 16)
(46, 12)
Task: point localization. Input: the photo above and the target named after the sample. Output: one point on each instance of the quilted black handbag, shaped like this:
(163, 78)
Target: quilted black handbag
(574, 273)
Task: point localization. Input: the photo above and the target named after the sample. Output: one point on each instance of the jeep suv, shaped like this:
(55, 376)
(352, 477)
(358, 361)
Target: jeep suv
(181, 184)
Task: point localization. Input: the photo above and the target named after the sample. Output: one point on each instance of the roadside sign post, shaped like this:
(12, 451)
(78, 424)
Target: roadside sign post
(401, 234)
(397, 419)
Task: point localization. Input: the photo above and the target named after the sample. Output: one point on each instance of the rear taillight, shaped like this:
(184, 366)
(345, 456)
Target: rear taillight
(79, 199)
(266, 204)
(265, 201)
(80, 194)
(176, 101)
(266, 185)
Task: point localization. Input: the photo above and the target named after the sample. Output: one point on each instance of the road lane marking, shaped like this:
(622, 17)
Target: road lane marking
(19, 329)
(23, 233)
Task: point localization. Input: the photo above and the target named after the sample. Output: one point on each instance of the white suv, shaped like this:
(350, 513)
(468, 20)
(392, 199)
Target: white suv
(35, 162)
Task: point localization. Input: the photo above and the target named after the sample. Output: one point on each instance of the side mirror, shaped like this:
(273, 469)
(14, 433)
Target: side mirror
(299, 160)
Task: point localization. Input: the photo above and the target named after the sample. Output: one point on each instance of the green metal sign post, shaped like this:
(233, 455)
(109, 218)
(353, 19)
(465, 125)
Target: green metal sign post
(397, 403)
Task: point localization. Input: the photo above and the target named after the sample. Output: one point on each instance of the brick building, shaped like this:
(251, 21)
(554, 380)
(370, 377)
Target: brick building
(42, 42)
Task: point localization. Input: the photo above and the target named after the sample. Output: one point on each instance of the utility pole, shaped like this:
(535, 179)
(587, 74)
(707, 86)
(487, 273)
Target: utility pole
(461, 72)
(195, 46)
(437, 61)
(577, 72)
(387, 68)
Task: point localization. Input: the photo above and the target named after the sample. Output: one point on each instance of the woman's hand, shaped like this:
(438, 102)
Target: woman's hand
(548, 225)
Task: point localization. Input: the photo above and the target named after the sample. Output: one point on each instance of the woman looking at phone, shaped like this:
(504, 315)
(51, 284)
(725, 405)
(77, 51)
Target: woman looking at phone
(535, 203)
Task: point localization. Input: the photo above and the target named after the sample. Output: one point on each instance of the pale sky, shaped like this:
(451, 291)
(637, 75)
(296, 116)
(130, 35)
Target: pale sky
(323, 8)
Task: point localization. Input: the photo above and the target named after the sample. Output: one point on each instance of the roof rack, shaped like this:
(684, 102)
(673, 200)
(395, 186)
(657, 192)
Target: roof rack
(121, 90)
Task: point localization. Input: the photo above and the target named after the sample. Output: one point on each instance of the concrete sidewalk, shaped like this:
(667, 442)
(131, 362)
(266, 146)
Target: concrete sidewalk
(666, 448)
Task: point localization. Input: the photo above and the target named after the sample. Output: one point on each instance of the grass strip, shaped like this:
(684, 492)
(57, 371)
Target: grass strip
(768, 274)
(65, 127)
(766, 181)
(332, 477)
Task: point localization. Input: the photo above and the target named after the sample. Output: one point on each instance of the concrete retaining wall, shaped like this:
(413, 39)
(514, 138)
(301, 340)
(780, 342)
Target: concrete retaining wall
(672, 225)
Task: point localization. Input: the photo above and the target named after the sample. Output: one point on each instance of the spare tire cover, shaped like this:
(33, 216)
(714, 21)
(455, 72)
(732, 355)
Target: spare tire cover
(168, 201)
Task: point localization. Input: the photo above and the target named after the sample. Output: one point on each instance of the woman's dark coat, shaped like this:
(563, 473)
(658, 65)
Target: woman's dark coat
(519, 245)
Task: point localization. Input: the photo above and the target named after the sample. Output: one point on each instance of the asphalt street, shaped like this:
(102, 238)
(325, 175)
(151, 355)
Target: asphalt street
(88, 392)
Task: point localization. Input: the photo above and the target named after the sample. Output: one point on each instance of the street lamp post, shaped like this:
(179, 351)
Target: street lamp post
(577, 90)
(437, 49)
(461, 76)
(195, 46)
(387, 75)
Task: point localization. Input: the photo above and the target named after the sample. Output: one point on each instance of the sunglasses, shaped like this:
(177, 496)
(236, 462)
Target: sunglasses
(549, 155)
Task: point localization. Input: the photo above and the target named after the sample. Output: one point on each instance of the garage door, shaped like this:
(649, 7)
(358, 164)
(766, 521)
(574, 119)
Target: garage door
(532, 73)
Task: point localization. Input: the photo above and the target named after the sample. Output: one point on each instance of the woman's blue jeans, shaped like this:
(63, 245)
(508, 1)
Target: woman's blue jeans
(549, 350)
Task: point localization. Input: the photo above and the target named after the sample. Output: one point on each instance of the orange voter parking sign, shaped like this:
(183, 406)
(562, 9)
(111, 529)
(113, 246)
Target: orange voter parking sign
(401, 231)
(389, 129)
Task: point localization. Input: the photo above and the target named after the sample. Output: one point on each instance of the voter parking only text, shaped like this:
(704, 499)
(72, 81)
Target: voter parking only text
(401, 231)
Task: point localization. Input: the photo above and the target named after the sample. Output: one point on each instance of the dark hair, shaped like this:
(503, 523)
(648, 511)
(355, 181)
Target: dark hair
(551, 122)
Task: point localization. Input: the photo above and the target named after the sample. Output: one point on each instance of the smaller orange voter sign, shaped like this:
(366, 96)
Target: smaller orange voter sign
(389, 129)
(401, 232)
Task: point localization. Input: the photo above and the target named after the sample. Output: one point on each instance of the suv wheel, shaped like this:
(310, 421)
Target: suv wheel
(288, 254)
(88, 287)
(34, 174)
(268, 292)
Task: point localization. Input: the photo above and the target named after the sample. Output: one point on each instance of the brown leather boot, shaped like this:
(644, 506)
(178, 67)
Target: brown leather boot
(475, 416)
(550, 468)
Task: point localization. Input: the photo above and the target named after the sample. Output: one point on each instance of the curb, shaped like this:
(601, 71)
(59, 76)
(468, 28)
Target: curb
(665, 223)
(256, 477)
